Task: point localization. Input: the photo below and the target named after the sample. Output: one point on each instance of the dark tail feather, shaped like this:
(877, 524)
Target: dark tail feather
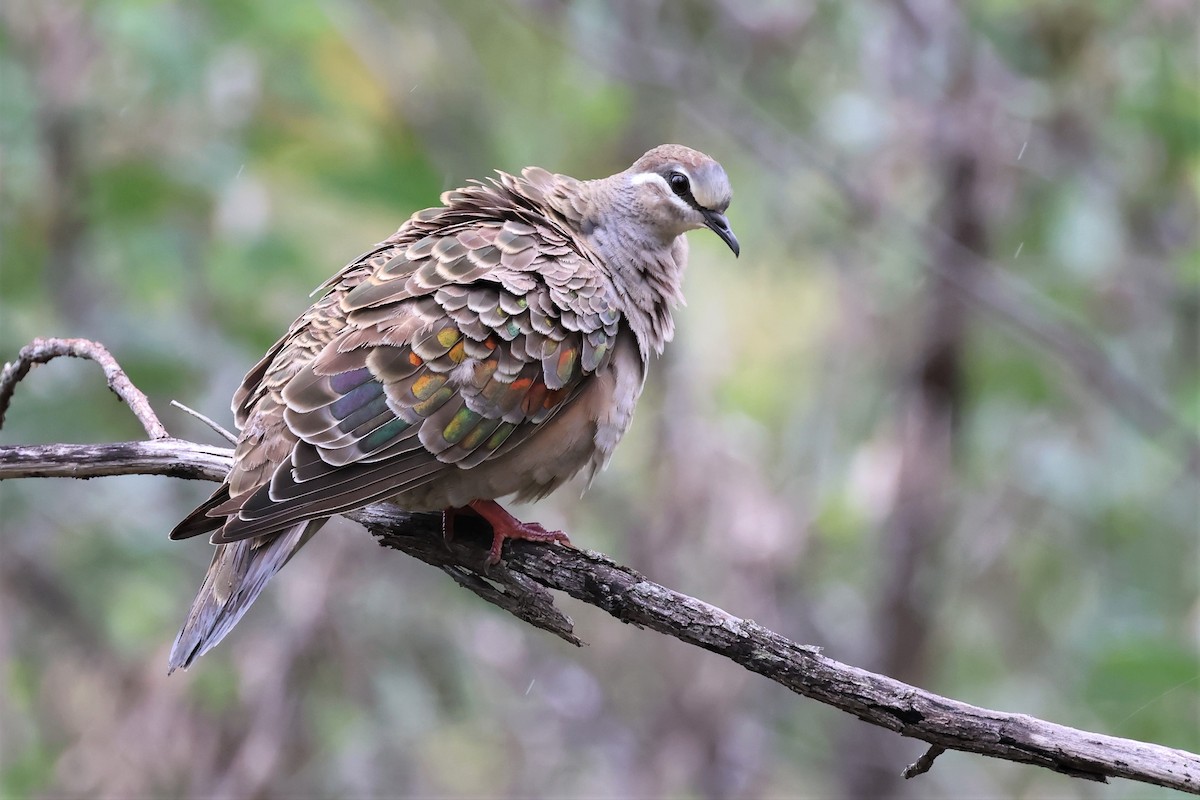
(238, 572)
(198, 521)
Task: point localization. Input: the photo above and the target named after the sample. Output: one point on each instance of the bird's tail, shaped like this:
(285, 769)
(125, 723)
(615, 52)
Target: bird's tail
(238, 572)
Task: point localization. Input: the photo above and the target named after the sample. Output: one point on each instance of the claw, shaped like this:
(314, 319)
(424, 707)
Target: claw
(506, 526)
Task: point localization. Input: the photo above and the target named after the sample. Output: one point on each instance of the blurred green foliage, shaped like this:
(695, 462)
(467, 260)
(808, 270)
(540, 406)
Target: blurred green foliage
(178, 176)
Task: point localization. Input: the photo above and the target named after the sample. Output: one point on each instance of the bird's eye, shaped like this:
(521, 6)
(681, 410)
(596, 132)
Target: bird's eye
(679, 183)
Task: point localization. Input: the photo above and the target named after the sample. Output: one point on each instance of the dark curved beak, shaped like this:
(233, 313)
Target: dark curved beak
(720, 226)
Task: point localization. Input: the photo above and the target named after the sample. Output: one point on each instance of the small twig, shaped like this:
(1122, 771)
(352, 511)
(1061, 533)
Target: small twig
(41, 350)
(923, 764)
(222, 432)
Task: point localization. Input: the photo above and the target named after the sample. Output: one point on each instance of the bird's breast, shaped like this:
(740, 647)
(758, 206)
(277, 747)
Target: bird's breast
(583, 434)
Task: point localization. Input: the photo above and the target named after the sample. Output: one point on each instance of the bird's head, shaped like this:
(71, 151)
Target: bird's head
(676, 189)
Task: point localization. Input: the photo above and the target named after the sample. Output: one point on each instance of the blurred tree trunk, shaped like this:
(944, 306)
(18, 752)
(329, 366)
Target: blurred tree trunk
(59, 43)
(925, 425)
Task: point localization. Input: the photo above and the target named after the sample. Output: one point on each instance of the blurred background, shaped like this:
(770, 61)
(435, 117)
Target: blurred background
(940, 419)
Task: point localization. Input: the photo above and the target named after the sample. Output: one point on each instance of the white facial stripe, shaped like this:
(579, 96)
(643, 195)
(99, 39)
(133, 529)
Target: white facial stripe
(642, 178)
(678, 202)
(650, 177)
(653, 177)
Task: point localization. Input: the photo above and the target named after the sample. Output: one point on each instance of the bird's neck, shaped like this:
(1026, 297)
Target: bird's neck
(646, 272)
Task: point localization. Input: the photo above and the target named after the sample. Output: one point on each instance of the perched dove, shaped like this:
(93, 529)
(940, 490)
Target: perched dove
(495, 345)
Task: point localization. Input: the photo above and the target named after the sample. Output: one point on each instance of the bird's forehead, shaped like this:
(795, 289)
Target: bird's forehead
(666, 156)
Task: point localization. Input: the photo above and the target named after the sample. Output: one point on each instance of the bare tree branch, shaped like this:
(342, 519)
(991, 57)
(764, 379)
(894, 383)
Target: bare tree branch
(173, 457)
(520, 584)
(41, 350)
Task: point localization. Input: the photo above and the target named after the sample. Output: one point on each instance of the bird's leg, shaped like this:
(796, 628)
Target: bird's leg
(506, 526)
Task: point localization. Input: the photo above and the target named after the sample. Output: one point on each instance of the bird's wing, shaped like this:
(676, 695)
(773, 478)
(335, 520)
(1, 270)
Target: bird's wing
(429, 356)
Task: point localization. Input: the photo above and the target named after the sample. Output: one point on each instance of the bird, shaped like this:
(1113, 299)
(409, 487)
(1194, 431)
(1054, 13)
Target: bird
(494, 346)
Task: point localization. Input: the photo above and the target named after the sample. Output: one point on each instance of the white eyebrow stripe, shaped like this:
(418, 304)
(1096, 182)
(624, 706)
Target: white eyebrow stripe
(649, 177)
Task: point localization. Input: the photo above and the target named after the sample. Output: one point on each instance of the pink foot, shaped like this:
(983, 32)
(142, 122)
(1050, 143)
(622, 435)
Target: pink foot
(506, 526)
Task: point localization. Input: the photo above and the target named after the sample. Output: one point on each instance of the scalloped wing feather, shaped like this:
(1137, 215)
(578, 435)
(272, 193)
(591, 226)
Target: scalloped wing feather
(445, 349)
